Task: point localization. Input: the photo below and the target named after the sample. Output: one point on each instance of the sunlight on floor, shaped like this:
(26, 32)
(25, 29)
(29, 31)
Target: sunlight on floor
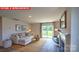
(43, 45)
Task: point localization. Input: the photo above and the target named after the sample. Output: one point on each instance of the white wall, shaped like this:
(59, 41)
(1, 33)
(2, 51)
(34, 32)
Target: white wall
(35, 28)
(8, 27)
(68, 29)
(75, 29)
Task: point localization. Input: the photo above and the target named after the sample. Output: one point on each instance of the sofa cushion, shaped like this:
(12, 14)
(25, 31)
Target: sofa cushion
(23, 34)
(19, 35)
(21, 38)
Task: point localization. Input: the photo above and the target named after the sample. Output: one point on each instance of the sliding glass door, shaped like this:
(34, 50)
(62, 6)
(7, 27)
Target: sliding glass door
(47, 30)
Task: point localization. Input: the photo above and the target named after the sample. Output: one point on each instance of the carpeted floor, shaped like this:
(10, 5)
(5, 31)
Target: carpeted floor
(42, 45)
(7, 49)
(34, 46)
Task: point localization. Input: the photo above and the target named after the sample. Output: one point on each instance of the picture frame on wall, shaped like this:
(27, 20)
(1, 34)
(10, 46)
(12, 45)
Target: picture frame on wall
(18, 27)
(23, 27)
(63, 21)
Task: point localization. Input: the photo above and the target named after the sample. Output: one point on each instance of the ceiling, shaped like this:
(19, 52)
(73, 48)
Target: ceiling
(35, 15)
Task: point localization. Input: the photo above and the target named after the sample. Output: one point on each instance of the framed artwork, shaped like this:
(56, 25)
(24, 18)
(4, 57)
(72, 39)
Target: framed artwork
(17, 27)
(63, 20)
(23, 27)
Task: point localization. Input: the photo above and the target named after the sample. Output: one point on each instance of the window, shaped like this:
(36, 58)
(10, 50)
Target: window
(47, 30)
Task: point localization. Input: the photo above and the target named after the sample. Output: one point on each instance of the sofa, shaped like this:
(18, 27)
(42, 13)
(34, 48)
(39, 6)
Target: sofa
(21, 38)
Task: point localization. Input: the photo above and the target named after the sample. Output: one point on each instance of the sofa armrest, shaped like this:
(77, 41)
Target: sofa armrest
(1, 43)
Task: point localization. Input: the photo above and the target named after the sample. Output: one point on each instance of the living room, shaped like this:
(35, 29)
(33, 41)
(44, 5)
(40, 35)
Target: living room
(20, 23)
(39, 29)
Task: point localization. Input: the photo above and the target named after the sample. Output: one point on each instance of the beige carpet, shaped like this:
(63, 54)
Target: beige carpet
(42, 45)
(34, 46)
(2, 49)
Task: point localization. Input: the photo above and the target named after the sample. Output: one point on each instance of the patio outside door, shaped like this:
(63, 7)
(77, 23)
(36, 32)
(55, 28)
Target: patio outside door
(47, 30)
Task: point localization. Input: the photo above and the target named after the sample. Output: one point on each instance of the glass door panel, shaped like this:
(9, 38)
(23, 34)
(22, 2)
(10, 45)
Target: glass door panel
(47, 30)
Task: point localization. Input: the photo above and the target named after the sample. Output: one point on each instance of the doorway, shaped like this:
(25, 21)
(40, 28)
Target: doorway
(47, 30)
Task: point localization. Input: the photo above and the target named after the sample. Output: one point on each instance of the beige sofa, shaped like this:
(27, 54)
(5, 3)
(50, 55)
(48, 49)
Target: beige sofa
(21, 38)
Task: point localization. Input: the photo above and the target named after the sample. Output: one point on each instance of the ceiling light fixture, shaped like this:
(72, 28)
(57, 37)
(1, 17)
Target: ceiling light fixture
(29, 16)
(16, 19)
